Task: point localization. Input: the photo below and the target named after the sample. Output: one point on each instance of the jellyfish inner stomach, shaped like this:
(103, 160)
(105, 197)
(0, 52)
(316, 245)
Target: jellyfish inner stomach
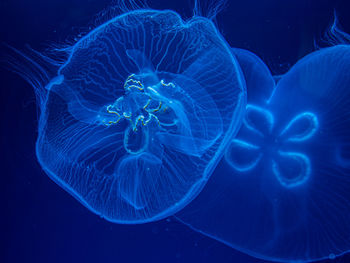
(151, 105)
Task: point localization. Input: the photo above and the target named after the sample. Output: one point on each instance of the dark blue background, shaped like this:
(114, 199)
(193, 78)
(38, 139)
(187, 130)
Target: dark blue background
(42, 223)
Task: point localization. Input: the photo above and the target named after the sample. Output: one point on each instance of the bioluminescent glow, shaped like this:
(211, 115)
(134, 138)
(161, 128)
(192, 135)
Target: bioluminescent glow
(139, 114)
(282, 191)
(143, 108)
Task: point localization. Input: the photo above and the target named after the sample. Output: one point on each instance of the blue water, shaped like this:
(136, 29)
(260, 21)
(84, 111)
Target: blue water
(42, 223)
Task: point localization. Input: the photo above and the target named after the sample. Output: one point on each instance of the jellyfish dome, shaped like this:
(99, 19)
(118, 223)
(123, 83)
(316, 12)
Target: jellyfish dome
(139, 114)
(282, 191)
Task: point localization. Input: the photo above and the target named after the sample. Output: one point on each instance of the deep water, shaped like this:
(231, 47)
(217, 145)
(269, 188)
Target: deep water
(40, 221)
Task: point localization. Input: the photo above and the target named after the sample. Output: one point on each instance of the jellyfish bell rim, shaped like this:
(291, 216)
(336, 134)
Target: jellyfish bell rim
(186, 24)
(254, 254)
(160, 216)
(302, 61)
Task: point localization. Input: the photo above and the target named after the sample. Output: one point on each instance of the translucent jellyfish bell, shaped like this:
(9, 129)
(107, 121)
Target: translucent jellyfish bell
(139, 114)
(282, 191)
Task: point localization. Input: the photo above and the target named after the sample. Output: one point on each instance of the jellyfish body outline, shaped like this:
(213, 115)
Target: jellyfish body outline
(75, 130)
(262, 208)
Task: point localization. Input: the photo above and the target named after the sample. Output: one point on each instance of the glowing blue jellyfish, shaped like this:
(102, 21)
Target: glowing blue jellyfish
(139, 114)
(282, 191)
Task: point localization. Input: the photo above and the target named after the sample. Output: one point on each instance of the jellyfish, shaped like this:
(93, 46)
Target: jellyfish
(138, 113)
(281, 192)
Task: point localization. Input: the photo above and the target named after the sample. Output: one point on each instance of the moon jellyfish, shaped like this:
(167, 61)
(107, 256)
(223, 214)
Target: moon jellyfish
(282, 191)
(137, 117)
